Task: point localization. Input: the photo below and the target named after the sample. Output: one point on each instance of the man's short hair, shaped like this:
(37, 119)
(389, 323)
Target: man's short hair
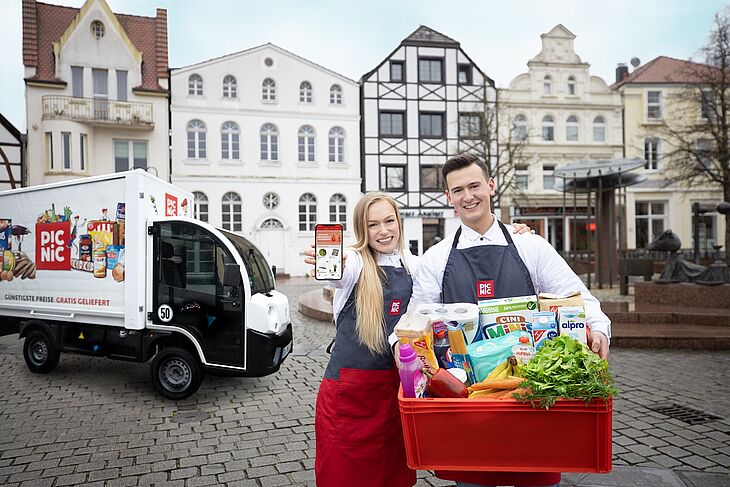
(463, 160)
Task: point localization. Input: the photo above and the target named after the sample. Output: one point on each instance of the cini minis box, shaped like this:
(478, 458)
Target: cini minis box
(497, 317)
(572, 322)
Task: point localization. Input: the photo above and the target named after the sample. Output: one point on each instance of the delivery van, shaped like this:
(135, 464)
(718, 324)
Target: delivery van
(114, 266)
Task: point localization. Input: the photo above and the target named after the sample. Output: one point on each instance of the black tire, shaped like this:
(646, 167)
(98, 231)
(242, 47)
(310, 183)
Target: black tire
(176, 373)
(41, 355)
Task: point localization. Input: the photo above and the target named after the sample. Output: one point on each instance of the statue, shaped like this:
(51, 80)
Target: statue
(677, 268)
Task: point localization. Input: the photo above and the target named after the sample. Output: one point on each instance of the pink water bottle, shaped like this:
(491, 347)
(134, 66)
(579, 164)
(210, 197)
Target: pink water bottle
(411, 377)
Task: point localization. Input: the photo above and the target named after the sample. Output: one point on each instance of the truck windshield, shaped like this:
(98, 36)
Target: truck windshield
(260, 276)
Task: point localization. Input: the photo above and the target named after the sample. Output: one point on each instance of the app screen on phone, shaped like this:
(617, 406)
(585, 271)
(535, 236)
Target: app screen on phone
(329, 252)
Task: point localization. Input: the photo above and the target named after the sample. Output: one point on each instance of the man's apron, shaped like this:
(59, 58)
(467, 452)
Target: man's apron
(357, 422)
(479, 273)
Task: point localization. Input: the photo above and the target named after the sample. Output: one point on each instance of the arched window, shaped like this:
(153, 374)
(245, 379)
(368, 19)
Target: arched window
(338, 210)
(305, 92)
(269, 142)
(520, 132)
(195, 85)
(230, 142)
(268, 90)
(547, 85)
(599, 129)
(337, 144)
(271, 223)
(200, 206)
(307, 212)
(548, 128)
(306, 144)
(229, 86)
(231, 212)
(571, 129)
(336, 95)
(571, 85)
(196, 139)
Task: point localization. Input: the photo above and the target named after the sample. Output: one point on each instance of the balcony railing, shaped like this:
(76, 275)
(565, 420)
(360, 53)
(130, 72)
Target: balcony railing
(99, 111)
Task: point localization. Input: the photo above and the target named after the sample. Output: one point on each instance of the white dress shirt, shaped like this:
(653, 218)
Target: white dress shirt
(548, 270)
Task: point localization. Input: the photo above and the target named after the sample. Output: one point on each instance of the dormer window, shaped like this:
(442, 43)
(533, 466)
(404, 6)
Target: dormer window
(97, 29)
(547, 85)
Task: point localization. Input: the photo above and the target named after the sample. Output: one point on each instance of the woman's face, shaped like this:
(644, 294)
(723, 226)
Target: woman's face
(383, 231)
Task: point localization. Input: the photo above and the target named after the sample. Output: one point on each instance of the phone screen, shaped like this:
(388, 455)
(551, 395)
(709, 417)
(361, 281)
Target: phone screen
(328, 251)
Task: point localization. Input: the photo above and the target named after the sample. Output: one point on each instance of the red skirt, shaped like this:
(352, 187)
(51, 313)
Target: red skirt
(502, 478)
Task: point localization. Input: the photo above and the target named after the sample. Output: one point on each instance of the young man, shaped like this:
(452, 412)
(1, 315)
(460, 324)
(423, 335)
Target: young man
(483, 261)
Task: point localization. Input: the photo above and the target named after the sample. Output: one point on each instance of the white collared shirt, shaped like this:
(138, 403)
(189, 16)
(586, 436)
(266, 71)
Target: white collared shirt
(548, 270)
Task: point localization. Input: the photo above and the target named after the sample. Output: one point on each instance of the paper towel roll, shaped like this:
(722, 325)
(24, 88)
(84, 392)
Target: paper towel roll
(467, 315)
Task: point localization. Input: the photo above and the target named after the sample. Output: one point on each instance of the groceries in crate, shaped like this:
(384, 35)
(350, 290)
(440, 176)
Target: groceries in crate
(486, 355)
(416, 330)
(498, 317)
(523, 351)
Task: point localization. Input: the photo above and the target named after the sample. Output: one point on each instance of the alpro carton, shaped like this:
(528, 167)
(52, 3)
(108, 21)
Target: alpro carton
(572, 322)
(497, 317)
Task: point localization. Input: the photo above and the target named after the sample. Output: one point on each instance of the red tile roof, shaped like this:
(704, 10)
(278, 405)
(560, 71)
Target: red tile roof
(44, 24)
(667, 70)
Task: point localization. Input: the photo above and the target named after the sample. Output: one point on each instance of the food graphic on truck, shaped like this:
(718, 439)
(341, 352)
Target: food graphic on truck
(91, 266)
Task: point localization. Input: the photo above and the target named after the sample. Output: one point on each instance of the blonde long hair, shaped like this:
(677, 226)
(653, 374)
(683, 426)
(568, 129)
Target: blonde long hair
(369, 292)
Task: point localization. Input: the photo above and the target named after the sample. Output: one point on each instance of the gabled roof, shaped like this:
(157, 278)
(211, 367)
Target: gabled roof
(426, 36)
(559, 31)
(45, 24)
(10, 127)
(666, 70)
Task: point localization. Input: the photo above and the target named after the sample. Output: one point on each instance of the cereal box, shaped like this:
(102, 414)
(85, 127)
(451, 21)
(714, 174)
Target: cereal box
(572, 322)
(497, 317)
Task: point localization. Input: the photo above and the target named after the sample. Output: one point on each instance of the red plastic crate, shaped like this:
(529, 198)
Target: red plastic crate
(506, 435)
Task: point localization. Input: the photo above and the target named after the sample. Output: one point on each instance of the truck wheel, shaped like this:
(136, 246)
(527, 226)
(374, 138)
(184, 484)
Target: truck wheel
(176, 374)
(40, 354)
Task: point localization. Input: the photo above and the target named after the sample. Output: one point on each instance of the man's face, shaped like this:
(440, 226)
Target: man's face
(469, 191)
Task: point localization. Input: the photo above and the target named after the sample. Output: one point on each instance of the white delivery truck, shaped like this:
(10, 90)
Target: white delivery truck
(114, 266)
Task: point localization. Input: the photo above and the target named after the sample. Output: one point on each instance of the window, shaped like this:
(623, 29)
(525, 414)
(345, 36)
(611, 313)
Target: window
(432, 178)
(599, 129)
(430, 70)
(195, 85)
(336, 95)
(571, 85)
(231, 212)
(200, 206)
(230, 142)
(470, 125)
(306, 144)
(704, 153)
(196, 139)
(307, 212)
(571, 129)
(548, 178)
(707, 105)
(397, 72)
(654, 105)
(271, 223)
(269, 142)
(431, 125)
(268, 62)
(268, 90)
(338, 210)
(97, 30)
(548, 128)
(100, 78)
(83, 152)
(520, 129)
(230, 86)
(649, 221)
(651, 153)
(77, 81)
(49, 151)
(547, 85)
(121, 85)
(521, 177)
(305, 92)
(130, 154)
(66, 141)
(464, 74)
(336, 144)
(392, 178)
(271, 201)
(392, 124)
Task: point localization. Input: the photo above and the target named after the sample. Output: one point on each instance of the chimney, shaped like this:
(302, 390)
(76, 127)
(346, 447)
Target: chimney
(622, 71)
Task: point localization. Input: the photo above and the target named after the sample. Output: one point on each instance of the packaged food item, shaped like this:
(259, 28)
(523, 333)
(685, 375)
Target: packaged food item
(441, 348)
(416, 330)
(551, 302)
(459, 352)
(118, 269)
(498, 317)
(411, 378)
(6, 230)
(112, 255)
(572, 322)
(103, 233)
(100, 262)
(523, 351)
(486, 355)
(544, 327)
(85, 248)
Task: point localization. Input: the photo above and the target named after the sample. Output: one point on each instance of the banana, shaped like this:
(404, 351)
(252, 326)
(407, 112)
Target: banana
(504, 373)
(497, 370)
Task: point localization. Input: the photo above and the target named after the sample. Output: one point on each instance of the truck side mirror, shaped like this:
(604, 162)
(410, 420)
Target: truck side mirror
(232, 275)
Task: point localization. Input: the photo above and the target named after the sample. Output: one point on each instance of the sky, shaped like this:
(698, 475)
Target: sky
(352, 37)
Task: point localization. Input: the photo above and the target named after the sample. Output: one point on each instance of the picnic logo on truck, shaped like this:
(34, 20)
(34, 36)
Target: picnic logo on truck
(52, 251)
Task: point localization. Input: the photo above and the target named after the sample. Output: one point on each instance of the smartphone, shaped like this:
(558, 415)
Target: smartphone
(328, 251)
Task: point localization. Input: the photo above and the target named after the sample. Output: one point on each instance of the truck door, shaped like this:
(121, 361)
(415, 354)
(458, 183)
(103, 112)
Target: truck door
(189, 266)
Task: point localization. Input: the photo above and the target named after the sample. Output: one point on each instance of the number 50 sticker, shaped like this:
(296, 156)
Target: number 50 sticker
(164, 313)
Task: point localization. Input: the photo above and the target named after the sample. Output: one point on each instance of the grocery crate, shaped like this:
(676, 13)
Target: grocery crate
(506, 435)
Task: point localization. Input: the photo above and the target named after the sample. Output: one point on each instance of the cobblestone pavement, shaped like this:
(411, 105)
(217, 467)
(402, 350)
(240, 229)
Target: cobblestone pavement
(98, 422)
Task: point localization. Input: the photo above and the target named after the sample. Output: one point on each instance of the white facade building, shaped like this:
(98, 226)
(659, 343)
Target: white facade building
(96, 91)
(269, 143)
(417, 104)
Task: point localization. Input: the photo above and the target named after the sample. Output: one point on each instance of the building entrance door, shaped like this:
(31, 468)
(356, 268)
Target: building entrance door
(271, 243)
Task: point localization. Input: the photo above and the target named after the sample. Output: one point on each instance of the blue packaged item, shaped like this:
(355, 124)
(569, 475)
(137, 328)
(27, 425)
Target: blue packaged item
(544, 327)
(6, 231)
(486, 355)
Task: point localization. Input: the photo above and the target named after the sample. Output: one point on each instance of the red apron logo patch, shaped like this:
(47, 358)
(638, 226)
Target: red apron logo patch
(485, 289)
(51, 246)
(394, 308)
